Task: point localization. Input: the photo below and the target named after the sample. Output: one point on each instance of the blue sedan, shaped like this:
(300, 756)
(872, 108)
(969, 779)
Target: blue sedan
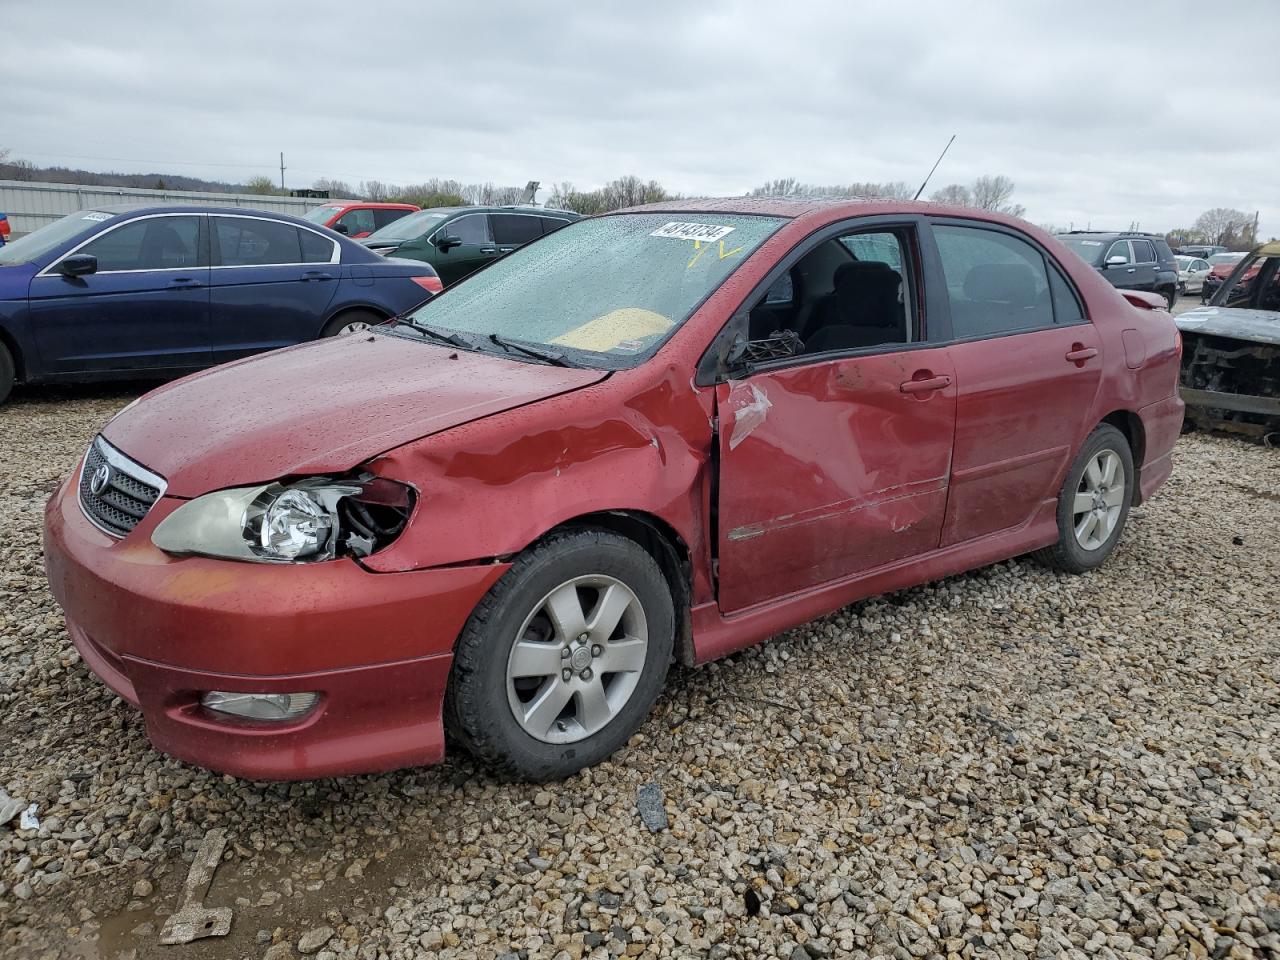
(119, 292)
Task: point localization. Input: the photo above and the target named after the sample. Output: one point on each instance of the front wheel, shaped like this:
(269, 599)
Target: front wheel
(563, 659)
(1094, 503)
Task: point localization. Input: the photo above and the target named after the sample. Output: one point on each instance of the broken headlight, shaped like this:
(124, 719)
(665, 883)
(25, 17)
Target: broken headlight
(290, 522)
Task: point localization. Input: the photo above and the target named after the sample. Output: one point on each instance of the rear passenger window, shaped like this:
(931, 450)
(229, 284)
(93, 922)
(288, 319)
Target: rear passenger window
(315, 248)
(1066, 305)
(471, 229)
(242, 242)
(996, 282)
(1143, 251)
(512, 230)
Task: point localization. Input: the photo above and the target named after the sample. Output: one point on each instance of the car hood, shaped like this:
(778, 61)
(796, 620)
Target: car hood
(321, 408)
(1260, 326)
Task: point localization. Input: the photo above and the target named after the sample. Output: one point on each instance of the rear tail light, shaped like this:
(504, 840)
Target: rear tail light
(430, 284)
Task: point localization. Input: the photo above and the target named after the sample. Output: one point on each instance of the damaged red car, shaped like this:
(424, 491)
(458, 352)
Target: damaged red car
(657, 435)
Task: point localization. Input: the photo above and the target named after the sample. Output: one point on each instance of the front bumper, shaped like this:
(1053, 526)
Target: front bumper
(160, 630)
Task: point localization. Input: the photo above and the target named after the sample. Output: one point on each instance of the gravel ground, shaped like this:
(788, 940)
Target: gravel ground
(1010, 763)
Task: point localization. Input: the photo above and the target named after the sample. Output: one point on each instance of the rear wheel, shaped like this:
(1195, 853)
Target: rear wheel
(7, 372)
(561, 662)
(1094, 503)
(1171, 296)
(353, 321)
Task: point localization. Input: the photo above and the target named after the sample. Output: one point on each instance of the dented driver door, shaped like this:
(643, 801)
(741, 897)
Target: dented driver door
(830, 469)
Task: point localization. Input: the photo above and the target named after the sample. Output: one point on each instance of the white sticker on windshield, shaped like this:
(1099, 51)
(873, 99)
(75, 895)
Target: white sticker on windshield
(1090, 243)
(97, 217)
(681, 230)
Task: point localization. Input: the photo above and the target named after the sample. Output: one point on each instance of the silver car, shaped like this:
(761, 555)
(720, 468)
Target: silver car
(1191, 273)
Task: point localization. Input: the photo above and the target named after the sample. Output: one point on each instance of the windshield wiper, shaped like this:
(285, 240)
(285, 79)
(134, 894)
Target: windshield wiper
(443, 336)
(548, 356)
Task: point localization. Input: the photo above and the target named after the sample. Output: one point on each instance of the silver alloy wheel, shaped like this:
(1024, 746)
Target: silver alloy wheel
(577, 659)
(354, 327)
(1099, 500)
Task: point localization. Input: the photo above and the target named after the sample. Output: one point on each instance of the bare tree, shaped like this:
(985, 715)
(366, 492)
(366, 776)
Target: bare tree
(336, 188)
(377, 191)
(993, 193)
(791, 187)
(1223, 224)
(956, 194)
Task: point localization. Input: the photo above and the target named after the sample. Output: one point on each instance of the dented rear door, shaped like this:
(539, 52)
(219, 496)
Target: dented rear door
(830, 469)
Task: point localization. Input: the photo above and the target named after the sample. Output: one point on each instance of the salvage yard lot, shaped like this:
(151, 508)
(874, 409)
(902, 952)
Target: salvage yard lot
(1009, 763)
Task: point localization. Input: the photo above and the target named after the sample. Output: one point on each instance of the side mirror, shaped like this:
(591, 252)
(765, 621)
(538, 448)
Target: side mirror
(341, 228)
(78, 265)
(745, 354)
(446, 242)
(1116, 261)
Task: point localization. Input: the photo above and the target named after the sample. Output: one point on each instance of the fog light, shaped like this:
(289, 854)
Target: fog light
(259, 706)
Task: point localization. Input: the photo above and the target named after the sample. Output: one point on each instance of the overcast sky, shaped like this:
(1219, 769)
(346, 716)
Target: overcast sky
(1102, 113)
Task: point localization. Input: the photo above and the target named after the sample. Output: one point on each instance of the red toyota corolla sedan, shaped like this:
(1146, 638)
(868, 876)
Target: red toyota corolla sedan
(661, 434)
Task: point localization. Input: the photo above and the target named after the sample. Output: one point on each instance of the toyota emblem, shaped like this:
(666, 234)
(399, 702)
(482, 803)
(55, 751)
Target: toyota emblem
(100, 480)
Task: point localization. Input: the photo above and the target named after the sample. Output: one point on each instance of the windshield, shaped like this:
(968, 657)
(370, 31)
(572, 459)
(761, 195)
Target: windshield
(320, 215)
(1086, 248)
(606, 291)
(411, 227)
(1183, 262)
(36, 244)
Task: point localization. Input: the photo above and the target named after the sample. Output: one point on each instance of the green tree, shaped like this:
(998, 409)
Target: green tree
(262, 185)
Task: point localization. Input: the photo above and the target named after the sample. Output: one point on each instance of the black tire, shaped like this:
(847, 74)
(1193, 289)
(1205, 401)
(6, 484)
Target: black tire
(1182, 289)
(8, 373)
(478, 713)
(336, 325)
(1171, 296)
(1068, 555)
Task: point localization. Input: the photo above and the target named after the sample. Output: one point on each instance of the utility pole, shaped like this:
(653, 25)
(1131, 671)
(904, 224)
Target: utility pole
(281, 169)
(1253, 241)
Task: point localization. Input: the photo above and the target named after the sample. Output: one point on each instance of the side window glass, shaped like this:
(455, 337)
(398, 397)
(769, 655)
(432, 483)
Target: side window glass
(471, 229)
(1066, 305)
(315, 248)
(781, 290)
(512, 230)
(383, 217)
(552, 224)
(157, 243)
(244, 243)
(996, 282)
(1143, 251)
(1118, 249)
(835, 300)
(358, 221)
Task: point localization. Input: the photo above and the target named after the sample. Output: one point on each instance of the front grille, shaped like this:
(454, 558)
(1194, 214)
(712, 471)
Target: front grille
(127, 490)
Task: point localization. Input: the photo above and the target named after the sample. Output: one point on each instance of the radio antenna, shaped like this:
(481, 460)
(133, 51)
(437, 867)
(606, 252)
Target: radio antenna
(935, 166)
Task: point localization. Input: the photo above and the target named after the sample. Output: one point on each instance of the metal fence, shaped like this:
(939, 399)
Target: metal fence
(31, 205)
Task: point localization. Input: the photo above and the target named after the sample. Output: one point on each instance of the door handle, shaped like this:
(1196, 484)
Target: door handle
(925, 384)
(1131, 270)
(1079, 353)
(488, 250)
(184, 283)
(505, 249)
(316, 275)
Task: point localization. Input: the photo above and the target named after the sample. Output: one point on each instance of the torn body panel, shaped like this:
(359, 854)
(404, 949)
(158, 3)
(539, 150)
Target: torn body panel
(816, 484)
(1232, 384)
(489, 489)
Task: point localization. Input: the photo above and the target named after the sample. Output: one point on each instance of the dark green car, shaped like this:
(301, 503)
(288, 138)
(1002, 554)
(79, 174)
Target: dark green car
(460, 240)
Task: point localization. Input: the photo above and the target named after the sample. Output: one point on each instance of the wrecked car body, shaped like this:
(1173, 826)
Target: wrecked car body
(658, 435)
(1230, 378)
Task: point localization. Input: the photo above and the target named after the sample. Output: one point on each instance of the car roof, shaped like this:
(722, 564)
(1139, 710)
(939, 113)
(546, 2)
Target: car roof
(194, 208)
(375, 204)
(817, 210)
